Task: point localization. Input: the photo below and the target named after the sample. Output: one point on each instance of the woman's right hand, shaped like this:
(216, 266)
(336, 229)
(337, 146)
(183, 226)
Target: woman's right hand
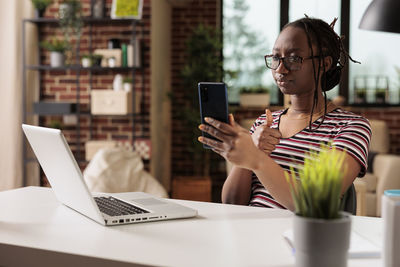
(264, 137)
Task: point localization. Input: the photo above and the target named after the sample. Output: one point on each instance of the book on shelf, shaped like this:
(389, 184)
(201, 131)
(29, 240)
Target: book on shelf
(133, 53)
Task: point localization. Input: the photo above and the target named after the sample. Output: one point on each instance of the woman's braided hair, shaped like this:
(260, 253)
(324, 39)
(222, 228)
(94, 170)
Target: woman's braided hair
(328, 43)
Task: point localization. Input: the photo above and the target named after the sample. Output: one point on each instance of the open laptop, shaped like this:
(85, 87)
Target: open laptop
(66, 179)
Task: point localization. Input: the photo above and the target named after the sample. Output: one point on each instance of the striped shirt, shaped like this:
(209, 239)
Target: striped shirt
(346, 130)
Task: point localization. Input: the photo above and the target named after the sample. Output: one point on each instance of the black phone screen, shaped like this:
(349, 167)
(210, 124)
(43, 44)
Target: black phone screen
(213, 99)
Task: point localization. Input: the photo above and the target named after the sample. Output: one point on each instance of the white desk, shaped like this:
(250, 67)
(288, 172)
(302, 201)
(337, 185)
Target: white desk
(35, 229)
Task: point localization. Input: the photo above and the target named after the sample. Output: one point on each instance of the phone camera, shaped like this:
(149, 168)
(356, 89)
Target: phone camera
(204, 93)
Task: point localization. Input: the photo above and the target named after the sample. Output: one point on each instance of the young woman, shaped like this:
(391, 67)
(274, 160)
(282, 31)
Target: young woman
(306, 61)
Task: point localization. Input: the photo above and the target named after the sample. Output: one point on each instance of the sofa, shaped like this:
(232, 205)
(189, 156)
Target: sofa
(384, 172)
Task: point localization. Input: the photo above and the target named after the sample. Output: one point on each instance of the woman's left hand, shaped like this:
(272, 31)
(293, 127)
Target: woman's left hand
(235, 145)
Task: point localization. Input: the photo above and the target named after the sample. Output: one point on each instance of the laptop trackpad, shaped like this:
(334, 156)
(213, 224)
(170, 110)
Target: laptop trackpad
(149, 201)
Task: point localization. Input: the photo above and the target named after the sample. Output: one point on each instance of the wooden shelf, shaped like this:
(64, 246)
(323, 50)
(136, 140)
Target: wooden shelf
(78, 67)
(86, 20)
(374, 105)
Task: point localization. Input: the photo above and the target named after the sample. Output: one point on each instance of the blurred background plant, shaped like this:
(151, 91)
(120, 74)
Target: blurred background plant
(203, 64)
(40, 6)
(71, 23)
(55, 45)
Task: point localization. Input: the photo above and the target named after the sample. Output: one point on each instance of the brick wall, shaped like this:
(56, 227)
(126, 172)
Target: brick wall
(61, 85)
(391, 115)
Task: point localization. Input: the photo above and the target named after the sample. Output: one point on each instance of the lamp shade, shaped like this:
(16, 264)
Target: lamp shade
(382, 15)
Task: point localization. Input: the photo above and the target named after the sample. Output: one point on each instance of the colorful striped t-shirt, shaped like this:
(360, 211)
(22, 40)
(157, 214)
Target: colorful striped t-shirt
(346, 130)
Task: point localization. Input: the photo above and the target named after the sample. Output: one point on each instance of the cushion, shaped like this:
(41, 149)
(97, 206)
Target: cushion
(370, 203)
(370, 181)
(380, 140)
(114, 170)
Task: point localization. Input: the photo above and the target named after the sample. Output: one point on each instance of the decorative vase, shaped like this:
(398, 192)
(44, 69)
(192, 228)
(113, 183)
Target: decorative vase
(98, 9)
(320, 242)
(117, 82)
(56, 59)
(64, 11)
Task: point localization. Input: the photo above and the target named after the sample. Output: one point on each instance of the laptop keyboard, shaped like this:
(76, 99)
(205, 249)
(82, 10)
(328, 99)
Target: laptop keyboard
(115, 207)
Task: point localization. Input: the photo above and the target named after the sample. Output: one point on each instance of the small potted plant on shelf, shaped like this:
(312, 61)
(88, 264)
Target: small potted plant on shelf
(380, 96)
(96, 59)
(321, 229)
(40, 7)
(57, 50)
(56, 124)
(360, 96)
(86, 60)
(254, 96)
(89, 60)
(70, 16)
(127, 84)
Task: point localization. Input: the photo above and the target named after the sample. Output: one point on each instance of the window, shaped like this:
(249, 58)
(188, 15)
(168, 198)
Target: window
(325, 10)
(250, 28)
(379, 57)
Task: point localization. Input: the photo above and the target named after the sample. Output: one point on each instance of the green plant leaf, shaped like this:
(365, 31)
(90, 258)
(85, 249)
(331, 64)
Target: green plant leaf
(318, 193)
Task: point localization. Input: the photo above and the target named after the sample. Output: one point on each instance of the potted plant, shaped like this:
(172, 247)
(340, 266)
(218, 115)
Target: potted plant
(57, 50)
(96, 59)
(203, 63)
(86, 60)
(380, 95)
(71, 23)
(56, 124)
(40, 7)
(321, 229)
(254, 96)
(127, 84)
(360, 96)
(89, 60)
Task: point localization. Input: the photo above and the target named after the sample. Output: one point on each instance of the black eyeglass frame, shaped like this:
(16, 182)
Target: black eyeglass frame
(283, 59)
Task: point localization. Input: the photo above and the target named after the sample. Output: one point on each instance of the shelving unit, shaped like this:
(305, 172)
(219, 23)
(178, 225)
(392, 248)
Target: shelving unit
(80, 71)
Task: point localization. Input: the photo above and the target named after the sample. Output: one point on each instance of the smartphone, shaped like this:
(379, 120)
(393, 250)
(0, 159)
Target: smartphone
(213, 99)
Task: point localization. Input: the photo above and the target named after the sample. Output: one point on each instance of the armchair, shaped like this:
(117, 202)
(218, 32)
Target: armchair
(385, 172)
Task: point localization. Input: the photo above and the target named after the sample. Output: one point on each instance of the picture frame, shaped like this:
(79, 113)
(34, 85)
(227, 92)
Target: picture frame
(126, 9)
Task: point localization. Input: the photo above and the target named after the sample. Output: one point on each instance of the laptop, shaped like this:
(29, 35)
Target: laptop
(68, 184)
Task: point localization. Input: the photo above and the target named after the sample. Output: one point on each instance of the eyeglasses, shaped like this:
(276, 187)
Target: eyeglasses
(290, 63)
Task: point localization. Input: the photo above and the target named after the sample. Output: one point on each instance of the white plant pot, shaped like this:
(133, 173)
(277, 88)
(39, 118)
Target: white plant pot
(254, 100)
(320, 242)
(127, 87)
(86, 62)
(57, 59)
